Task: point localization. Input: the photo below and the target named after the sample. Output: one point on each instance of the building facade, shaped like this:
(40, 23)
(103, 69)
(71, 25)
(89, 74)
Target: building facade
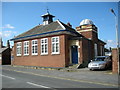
(5, 53)
(55, 44)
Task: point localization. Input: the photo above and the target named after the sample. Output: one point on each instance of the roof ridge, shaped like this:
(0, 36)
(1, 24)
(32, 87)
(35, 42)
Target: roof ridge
(61, 24)
(66, 25)
(42, 30)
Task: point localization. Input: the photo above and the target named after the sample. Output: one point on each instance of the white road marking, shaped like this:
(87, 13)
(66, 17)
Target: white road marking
(37, 85)
(7, 77)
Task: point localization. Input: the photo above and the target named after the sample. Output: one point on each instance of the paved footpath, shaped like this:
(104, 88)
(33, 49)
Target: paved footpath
(83, 75)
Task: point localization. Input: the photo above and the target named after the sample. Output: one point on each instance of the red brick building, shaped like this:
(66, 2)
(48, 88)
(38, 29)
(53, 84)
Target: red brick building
(55, 44)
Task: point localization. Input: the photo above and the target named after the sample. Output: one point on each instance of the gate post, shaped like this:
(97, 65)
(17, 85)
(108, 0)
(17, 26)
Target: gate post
(114, 60)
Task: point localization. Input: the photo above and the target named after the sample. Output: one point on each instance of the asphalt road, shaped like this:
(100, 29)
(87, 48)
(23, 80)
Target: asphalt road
(16, 79)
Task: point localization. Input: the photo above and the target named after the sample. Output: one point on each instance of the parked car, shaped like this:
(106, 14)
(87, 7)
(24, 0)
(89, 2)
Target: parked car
(100, 62)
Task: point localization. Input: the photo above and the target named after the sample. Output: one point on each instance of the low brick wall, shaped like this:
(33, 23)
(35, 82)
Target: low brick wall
(114, 60)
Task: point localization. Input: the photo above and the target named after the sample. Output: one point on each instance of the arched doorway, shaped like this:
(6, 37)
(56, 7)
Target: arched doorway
(74, 54)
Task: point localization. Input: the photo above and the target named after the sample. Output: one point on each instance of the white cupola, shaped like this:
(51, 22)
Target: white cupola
(86, 22)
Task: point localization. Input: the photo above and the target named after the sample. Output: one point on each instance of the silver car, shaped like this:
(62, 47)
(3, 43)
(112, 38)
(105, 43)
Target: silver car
(100, 62)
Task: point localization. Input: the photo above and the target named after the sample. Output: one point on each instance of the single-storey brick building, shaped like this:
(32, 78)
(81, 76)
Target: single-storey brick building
(55, 44)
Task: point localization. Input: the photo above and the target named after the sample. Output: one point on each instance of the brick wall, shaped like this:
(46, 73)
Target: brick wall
(114, 60)
(49, 60)
(85, 51)
(67, 51)
(90, 32)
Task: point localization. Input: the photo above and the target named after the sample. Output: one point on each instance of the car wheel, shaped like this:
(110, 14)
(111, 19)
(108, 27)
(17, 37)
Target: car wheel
(106, 67)
(91, 69)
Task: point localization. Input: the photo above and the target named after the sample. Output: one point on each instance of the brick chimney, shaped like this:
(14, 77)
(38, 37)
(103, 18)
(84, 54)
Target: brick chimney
(8, 44)
(69, 24)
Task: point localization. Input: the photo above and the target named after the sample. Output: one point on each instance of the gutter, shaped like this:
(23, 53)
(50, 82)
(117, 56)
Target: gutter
(42, 34)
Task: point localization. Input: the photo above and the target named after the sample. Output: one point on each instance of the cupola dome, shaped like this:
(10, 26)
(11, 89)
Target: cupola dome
(86, 22)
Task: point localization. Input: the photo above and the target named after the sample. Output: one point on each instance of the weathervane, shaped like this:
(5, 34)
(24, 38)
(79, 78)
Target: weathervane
(47, 10)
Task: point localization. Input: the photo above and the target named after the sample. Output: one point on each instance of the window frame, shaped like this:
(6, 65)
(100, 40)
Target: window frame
(43, 45)
(34, 47)
(27, 48)
(55, 43)
(20, 48)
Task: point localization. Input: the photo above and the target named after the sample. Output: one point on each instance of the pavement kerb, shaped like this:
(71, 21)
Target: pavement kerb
(59, 69)
(47, 68)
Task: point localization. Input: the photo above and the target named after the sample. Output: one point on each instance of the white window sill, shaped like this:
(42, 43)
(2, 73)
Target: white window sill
(55, 53)
(19, 55)
(42, 54)
(26, 54)
(35, 54)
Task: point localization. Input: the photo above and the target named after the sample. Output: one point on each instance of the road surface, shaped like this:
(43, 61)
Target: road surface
(20, 79)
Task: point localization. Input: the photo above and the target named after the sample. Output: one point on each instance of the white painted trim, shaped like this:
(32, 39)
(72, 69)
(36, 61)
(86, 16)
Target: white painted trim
(37, 47)
(44, 54)
(54, 53)
(35, 54)
(61, 25)
(58, 44)
(44, 48)
(45, 23)
(78, 45)
(28, 48)
(87, 31)
(21, 49)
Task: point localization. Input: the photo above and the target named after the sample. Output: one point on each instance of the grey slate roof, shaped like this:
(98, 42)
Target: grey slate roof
(3, 49)
(54, 28)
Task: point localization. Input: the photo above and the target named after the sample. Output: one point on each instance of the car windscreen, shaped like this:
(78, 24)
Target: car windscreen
(100, 59)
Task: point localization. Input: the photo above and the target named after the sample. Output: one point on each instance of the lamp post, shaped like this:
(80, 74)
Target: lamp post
(117, 37)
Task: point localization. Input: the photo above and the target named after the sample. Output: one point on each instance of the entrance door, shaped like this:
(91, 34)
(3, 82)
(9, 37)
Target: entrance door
(74, 53)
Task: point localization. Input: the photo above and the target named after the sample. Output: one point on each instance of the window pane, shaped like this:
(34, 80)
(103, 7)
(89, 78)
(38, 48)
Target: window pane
(57, 47)
(19, 49)
(44, 46)
(27, 50)
(34, 47)
(26, 47)
(42, 41)
(53, 39)
(45, 40)
(56, 39)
